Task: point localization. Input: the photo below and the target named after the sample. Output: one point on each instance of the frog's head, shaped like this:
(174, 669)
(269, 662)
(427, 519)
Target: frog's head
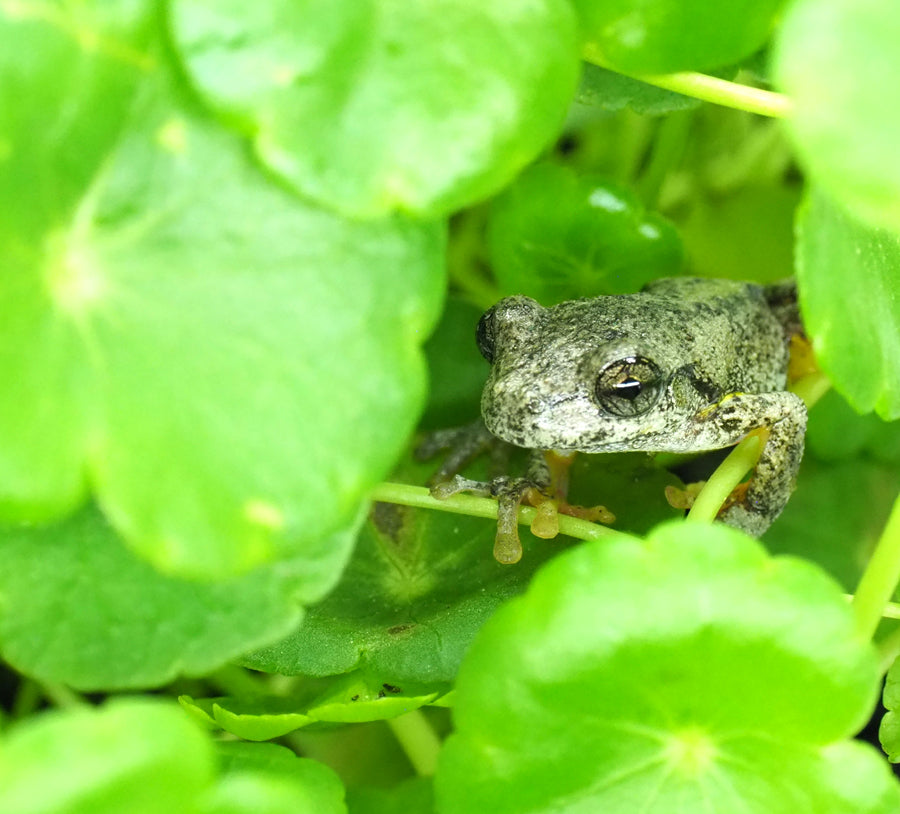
(590, 375)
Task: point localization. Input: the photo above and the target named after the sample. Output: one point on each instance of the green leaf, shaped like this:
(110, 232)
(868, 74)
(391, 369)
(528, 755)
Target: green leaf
(555, 235)
(837, 432)
(355, 698)
(836, 515)
(848, 276)
(456, 370)
(81, 609)
(682, 674)
(142, 756)
(836, 59)
(613, 91)
(230, 368)
(374, 106)
(420, 583)
(889, 729)
(415, 796)
(262, 778)
(741, 234)
(47, 162)
(660, 36)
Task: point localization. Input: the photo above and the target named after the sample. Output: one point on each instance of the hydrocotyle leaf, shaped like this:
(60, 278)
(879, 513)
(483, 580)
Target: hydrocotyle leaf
(420, 584)
(689, 672)
(355, 698)
(835, 59)
(385, 105)
(889, 729)
(613, 91)
(555, 235)
(264, 778)
(848, 274)
(659, 36)
(231, 368)
(142, 756)
(81, 609)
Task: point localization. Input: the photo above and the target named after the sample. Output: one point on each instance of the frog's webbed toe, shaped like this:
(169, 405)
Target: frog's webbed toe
(510, 494)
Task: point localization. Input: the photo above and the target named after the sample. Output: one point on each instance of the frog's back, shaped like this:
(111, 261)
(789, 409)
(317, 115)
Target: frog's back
(736, 335)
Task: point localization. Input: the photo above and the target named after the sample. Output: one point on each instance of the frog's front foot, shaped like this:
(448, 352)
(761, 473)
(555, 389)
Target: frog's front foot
(511, 493)
(781, 416)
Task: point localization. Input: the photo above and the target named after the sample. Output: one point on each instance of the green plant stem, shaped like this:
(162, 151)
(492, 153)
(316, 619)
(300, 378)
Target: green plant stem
(880, 579)
(27, 699)
(723, 481)
(668, 147)
(418, 741)
(61, 696)
(744, 456)
(420, 497)
(707, 88)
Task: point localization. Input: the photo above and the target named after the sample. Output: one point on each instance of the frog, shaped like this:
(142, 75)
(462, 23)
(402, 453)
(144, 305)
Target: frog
(686, 365)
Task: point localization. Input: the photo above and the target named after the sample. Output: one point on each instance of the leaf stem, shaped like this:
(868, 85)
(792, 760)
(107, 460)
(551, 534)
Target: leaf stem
(722, 482)
(418, 741)
(61, 696)
(745, 455)
(880, 579)
(707, 88)
(420, 497)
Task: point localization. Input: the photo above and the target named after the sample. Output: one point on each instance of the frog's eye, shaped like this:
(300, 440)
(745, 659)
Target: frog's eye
(628, 387)
(485, 333)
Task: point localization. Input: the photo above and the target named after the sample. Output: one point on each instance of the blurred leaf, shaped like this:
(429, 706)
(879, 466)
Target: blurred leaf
(661, 36)
(371, 106)
(747, 234)
(142, 756)
(836, 515)
(415, 796)
(848, 275)
(197, 343)
(683, 673)
(554, 236)
(835, 59)
(613, 91)
(837, 432)
(456, 370)
(263, 778)
(81, 609)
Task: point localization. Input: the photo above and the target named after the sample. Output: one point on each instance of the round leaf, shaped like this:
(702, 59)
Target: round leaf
(136, 755)
(81, 609)
(837, 60)
(231, 368)
(262, 778)
(680, 674)
(554, 235)
(847, 274)
(387, 104)
(420, 584)
(659, 36)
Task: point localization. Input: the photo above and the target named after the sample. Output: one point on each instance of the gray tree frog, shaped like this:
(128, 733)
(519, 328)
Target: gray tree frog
(686, 365)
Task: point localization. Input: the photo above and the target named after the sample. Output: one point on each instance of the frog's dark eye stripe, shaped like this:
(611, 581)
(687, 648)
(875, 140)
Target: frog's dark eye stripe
(628, 387)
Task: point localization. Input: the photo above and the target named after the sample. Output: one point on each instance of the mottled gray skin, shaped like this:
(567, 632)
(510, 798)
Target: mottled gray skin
(721, 352)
